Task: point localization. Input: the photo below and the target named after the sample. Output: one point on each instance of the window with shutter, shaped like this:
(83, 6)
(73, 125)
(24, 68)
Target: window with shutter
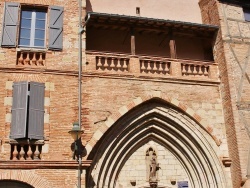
(55, 28)
(10, 23)
(33, 24)
(27, 110)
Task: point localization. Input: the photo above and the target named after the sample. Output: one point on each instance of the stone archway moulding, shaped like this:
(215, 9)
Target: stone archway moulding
(27, 177)
(124, 109)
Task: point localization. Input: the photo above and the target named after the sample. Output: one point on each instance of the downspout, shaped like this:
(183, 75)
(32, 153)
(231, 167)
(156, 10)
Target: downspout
(81, 31)
(80, 63)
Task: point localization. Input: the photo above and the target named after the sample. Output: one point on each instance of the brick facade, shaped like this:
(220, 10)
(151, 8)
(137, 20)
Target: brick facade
(232, 59)
(184, 109)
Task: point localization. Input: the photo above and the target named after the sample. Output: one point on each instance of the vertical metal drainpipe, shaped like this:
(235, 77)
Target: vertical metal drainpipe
(80, 63)
(79, 87)
(81, 30)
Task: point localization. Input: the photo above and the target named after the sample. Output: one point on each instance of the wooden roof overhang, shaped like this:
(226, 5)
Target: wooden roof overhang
(144, 24)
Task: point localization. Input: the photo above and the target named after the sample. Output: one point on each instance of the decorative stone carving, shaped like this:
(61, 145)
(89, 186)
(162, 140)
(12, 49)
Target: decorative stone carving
(152, 167)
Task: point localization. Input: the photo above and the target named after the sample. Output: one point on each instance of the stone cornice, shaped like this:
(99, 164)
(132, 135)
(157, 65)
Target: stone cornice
(130, 76)
(43, 164)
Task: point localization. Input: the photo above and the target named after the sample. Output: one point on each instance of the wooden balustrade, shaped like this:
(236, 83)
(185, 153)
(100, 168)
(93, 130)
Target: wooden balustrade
(31, 58)
(112, 63)
(25, 151)
(195, 70)
(154, 66)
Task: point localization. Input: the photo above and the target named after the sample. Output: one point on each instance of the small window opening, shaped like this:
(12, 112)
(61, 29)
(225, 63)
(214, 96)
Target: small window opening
(138, 11)
(246, 14)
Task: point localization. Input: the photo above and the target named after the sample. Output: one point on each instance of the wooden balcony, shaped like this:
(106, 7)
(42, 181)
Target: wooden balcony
(151, 66)
(34, 58)
(25, 150)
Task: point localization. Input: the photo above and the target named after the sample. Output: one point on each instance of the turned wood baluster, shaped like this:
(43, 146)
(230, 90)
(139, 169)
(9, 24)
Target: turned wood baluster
(29, 153)
(200, 70)
(184, 72)
(189, 69)
(27, 60)
(143, 66)
(34, 59)
(161, 67)
(154, 66)
(99, 64)
(118, 64)
(40, 60)
(36, 153)
(167, 67)
(125, 66)
(112, 65)
(105, 63)
(20, 59)
(205, 70)
(195, 71)
(148, 66)
(15, 153)
(22, 153)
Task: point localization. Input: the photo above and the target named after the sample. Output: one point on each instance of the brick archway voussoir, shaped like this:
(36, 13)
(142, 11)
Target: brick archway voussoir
(137, 101)
(28, 177)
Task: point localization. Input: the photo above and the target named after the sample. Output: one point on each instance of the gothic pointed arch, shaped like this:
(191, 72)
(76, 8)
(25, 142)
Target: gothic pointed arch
(166, 126)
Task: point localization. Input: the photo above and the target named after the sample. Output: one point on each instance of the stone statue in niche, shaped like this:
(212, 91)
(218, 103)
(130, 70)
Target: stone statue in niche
(152, 165)
(153, 168)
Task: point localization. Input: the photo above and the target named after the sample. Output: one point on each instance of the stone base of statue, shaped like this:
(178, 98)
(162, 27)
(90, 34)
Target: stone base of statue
(153, 183)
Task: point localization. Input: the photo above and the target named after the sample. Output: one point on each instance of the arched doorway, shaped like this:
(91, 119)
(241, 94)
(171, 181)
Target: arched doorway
(184, 152)
(14, 184)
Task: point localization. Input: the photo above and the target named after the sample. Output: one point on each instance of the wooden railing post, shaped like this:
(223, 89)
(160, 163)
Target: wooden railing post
(175, 68)
(213, 72)
(134, 65)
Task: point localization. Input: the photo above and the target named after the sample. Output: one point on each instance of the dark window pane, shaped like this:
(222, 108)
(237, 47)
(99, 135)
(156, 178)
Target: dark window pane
(247, 14)
(39, 43)
(39, 34)
(40, 24)
(25, 33)
(26, 23)
(26, 14)
(40, 15)
(24, 42)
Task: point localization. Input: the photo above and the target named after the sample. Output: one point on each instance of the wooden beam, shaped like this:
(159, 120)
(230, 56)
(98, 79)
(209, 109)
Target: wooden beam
(172, 46)
(132, 34)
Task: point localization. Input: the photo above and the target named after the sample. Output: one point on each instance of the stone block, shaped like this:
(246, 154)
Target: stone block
(9, 85)
(46, 101)
(8, 101)
(46, 118)
(8, 117)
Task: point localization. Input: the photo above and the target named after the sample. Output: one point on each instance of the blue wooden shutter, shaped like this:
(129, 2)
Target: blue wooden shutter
(19, 110)
(56, 28)
(10, 23)
(183, 184)
(36, 111)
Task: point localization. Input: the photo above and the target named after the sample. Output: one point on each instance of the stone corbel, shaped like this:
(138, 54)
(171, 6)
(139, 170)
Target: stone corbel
(226, 161)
